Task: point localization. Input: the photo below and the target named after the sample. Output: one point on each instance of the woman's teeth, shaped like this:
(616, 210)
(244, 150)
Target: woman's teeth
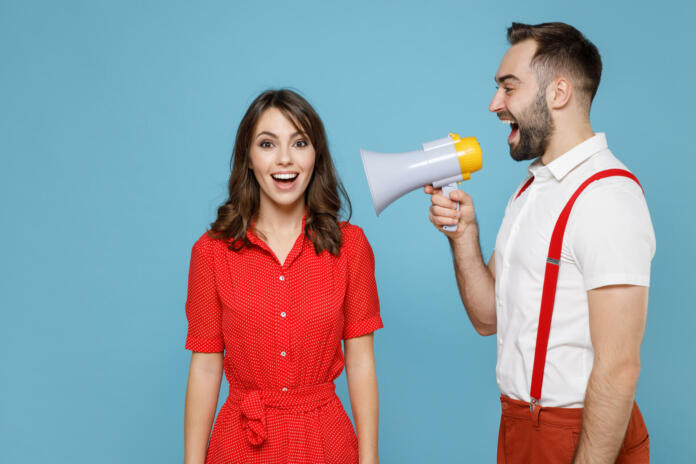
(284, 177)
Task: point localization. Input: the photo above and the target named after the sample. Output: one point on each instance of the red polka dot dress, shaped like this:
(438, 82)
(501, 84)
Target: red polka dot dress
(280, 327)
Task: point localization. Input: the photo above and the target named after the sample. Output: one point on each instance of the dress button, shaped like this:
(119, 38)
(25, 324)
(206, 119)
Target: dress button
(282, 278)
(283, 314)
(283, 353)
(285, 389)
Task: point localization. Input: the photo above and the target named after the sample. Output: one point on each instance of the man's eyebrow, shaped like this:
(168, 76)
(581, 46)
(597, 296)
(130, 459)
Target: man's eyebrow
(501, 79)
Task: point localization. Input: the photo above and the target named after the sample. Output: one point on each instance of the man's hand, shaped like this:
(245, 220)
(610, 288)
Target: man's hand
(443, 211)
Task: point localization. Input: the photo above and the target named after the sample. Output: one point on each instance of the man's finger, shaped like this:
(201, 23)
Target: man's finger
(441, 200)
(430, 190)
(445, 212)
(439, 221)
(460, 196)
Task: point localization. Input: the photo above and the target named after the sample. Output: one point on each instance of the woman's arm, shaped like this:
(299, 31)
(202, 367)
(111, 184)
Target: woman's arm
(205, 374)
(362, 387)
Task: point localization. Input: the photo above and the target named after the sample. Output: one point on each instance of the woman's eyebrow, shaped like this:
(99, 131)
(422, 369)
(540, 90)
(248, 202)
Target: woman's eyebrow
(271, 134)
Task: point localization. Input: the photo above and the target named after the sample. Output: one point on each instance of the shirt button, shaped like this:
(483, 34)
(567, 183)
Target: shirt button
(500, 340)
(283, 353)
(283, 314)
(282, 278)
(507, 265)
(285, 389)
(516, 228)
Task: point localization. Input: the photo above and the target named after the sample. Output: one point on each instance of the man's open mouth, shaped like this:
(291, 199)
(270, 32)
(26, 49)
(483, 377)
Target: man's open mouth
(514, 128)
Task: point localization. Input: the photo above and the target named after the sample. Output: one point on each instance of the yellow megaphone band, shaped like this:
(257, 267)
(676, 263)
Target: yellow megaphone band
(469, 154)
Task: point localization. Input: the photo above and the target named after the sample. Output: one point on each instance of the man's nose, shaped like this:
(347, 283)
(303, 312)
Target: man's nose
(497, 103)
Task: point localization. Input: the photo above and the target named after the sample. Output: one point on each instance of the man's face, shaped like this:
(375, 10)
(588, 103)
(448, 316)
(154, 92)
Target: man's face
(521, 102)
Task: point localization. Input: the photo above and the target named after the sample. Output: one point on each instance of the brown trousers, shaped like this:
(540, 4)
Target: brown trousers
(551, 435)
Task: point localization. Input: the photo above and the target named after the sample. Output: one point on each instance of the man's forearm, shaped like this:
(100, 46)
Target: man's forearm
(475, 282)
(607, 410)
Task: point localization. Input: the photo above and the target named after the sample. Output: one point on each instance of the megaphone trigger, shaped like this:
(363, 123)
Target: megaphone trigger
(446, 190)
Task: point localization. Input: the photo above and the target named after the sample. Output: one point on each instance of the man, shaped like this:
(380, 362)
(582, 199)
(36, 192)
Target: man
(573, 319)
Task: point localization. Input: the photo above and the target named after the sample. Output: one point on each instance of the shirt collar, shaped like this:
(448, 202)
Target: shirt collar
(569, 160)
(294, 252)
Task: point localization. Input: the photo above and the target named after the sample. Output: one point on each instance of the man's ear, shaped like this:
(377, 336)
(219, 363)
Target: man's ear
(559, 93)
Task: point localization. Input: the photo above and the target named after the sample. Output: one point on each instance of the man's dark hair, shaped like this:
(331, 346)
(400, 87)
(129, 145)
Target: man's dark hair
(562, 48)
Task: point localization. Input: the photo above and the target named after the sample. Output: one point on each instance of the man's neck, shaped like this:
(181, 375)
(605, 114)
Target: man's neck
(564, 139)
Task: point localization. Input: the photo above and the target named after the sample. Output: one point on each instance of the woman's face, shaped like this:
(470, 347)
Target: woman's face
(282, 159)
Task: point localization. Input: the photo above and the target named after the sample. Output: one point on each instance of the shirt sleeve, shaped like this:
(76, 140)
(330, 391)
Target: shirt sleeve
(361, 303)
(203, 307)
(612, 238)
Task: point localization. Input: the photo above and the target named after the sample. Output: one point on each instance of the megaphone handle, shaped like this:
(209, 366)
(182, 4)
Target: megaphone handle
(446, 189)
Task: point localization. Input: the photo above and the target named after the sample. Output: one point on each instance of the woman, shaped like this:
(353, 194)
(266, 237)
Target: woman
(276, 284)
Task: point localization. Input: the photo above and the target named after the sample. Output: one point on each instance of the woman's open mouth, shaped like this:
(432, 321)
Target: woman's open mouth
(285, 180)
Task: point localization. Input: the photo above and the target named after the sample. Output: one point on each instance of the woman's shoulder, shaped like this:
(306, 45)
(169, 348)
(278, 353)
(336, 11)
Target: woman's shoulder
(207, 245)
(353, 236)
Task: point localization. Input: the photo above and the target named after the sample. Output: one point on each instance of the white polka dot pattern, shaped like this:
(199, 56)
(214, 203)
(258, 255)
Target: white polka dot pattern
(280, 327)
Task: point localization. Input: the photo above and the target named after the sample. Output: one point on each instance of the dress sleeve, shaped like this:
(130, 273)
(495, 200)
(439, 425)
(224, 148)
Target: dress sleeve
(203, 307)
(613, 240)
(361, 303)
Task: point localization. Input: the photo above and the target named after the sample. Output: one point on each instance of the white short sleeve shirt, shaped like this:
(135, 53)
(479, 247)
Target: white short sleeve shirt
(609, 240)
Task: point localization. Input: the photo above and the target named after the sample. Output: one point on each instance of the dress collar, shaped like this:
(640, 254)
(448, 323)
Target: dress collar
(296, 248)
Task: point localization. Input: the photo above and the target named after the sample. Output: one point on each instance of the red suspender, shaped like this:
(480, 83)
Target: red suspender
(524, 187)
(548, 296)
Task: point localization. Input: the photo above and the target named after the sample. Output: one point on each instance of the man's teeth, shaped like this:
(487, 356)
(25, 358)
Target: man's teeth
(506, 121)
(284, 176)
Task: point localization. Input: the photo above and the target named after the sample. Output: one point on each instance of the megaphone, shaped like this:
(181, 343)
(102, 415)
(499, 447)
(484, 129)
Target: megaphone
(443, 163)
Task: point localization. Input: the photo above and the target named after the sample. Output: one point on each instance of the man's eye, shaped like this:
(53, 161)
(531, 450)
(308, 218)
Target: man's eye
(507, 89)
(301, 143)
(266, 144)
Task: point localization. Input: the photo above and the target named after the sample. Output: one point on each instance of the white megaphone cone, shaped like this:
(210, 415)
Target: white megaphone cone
(442, 163)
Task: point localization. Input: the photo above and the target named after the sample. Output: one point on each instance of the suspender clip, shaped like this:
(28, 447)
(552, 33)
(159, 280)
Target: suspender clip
(555, 262)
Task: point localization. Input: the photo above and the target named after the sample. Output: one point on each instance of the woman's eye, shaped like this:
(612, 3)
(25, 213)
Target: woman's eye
(301, 143)
(266, 144)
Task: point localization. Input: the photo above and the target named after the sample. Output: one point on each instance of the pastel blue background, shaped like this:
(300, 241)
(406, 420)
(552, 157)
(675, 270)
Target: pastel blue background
(116, 124)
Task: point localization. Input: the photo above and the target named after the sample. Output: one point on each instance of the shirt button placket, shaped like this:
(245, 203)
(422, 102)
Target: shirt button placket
(283, 331)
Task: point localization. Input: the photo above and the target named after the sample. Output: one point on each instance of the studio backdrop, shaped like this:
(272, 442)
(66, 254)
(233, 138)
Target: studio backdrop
(117, 121)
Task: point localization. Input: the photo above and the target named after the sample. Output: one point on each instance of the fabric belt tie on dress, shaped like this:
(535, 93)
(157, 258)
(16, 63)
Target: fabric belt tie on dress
(252, 405)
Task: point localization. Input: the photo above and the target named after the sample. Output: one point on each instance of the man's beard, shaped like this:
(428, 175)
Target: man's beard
(535, 128)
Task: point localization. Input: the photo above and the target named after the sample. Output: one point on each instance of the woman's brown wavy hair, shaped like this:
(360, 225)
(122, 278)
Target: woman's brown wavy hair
(324, 194)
